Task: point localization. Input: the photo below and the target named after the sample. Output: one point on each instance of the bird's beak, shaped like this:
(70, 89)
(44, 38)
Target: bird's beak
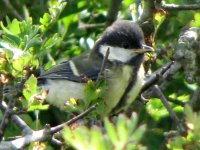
(144, 49)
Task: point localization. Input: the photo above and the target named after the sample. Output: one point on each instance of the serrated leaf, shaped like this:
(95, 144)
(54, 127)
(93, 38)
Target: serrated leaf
(12, 28)
(122, 130)
(111, 131)
(5, 29)
(45, 19)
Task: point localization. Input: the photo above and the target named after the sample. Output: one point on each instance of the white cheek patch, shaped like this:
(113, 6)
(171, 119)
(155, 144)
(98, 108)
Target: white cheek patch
(117, 53)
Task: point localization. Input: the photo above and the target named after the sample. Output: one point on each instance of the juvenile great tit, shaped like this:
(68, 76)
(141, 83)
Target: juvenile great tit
(123, 72)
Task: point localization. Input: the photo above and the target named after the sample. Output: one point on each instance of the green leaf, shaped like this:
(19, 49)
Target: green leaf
(156, 109)
(94, 91)
(12, 39)
(195, 22)
(97, 139)
(122, 129)
(9, 54)
(131, 124)
(13, 27)
(37, 107)
(30, 88)
(45, 21)
(137, 135)
(21, 62)
(90, 91)
(51, 41)
(111, 131)
(18, 64)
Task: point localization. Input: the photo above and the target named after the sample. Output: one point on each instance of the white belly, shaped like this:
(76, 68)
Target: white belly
(61, 91)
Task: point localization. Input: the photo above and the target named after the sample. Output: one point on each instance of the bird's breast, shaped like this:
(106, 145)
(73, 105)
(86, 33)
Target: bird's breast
(117, 84)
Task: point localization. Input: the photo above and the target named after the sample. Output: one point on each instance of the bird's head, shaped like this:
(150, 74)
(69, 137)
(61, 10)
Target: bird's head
(125, 41)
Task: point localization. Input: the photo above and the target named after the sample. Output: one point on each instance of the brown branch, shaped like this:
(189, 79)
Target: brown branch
(113, 11)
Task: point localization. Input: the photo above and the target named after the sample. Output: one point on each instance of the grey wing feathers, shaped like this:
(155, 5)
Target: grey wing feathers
(63, 71)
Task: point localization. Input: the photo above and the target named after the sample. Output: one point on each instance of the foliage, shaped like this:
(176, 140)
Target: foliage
(192, 140)
(93, 92)
(122, 135)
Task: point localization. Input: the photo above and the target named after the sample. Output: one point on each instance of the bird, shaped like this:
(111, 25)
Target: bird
(124, 71)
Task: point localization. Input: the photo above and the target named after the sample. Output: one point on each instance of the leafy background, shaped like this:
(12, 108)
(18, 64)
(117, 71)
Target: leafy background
(42, 33)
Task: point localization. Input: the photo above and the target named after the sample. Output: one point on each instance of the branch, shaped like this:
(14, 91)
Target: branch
(177, 102)
(155, 77)
(113, 11)
(60, 127)
(174, 7)
(6, 116)
(82, 25)
(146, 19)
(17, 120)
(41, 135)
(160, 95)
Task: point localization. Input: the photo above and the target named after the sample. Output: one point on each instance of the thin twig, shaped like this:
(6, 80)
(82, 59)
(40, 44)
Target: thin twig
(177, 102)
(89, 26)
(105, 60)
(160, 95)
(61, 126)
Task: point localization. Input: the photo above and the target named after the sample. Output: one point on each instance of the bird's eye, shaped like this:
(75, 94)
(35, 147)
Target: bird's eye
(125, 45)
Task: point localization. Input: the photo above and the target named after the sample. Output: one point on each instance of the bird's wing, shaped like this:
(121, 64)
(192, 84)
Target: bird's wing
(80, 72)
